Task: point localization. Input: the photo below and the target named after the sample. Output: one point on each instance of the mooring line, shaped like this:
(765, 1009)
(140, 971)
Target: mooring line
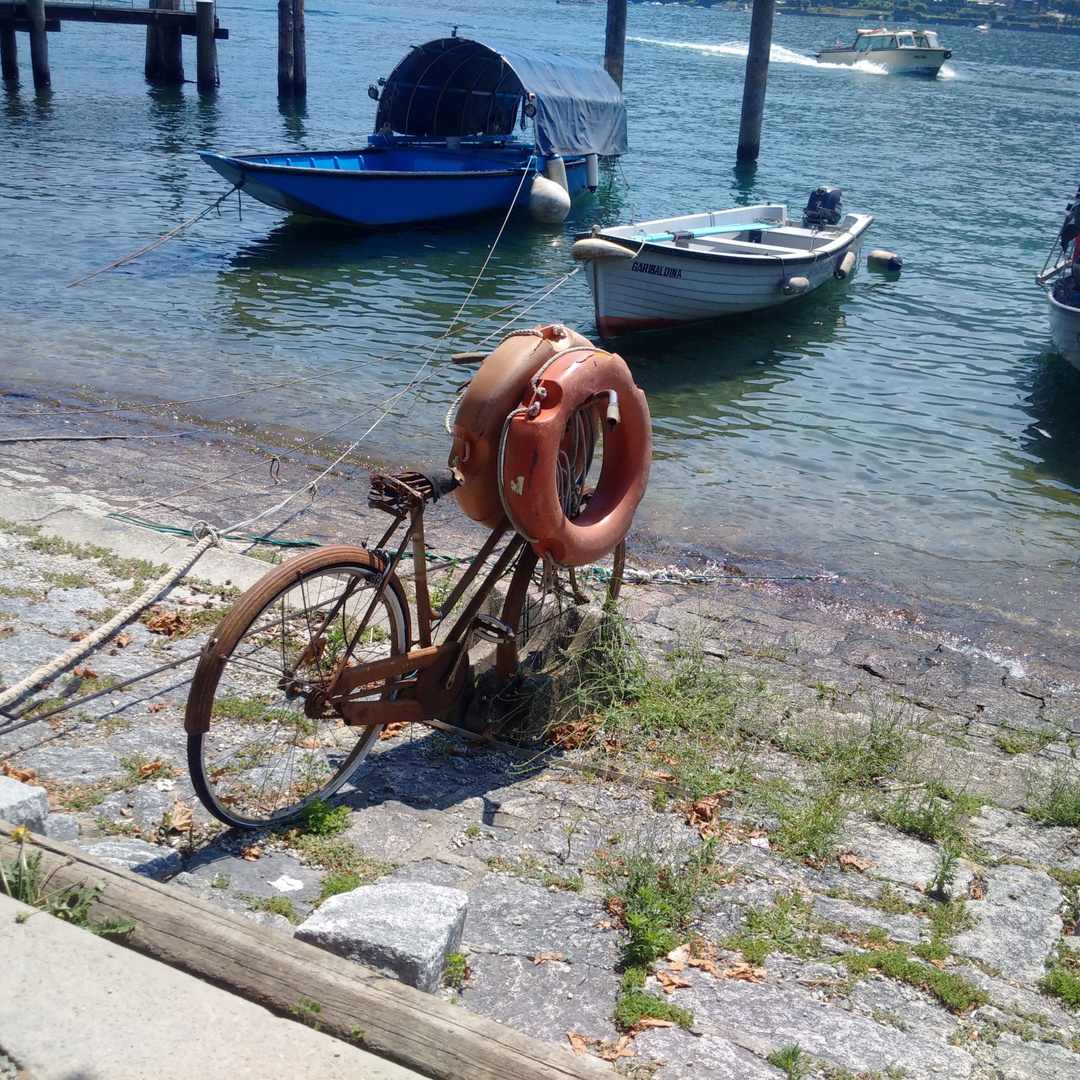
(155, 243)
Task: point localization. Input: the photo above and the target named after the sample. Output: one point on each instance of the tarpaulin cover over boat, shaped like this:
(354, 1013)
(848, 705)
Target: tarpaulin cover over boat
(457, 87)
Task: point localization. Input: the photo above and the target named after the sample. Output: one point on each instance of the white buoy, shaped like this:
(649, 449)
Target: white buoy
(795, 285)
(592, 248)
(884, 260)
(847, 264)
(555, 169)
(548, 201)
(592, 171)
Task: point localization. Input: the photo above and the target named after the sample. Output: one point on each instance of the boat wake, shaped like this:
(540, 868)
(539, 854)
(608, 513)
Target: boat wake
(777, 54)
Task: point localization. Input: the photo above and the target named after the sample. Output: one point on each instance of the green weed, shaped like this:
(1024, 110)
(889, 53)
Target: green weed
(956, 993)
(1060, 803)
(307, 1012)
(1020, 740)
(272, 905)
(787, 926)
(1063, 978)
(338, 883)
(635, 1005)
(322, 819)
(455, 969)
(23, 879)
(792, 1062)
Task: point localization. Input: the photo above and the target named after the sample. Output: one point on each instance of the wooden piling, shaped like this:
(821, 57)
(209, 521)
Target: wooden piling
(164, 52)
(9, 53)
(757, 75)
(285, 55)
(206, 69)
(615, 41)
(39, 45)
(299, 50)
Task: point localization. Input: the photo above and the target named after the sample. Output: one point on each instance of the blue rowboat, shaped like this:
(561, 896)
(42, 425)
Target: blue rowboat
(446, 142)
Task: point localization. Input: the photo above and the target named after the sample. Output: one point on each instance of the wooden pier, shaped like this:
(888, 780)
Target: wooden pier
(164, 21)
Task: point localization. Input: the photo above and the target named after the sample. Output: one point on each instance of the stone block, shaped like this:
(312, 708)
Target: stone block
(401, 929)
(62, 827)
(22, 804)
(1018, 923)
(73, 764)
(150, 860)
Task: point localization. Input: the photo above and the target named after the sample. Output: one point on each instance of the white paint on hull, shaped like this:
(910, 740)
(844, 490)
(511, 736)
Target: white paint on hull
(1065, 330)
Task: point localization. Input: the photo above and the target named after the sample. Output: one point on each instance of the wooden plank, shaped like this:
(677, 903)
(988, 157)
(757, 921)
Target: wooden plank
(401, 1023)
(57, 13)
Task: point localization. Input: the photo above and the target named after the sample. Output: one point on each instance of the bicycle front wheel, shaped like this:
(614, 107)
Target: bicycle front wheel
(262, 740)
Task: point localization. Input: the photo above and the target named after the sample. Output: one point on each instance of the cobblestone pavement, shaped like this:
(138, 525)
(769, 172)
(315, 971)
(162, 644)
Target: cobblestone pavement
(845, 955)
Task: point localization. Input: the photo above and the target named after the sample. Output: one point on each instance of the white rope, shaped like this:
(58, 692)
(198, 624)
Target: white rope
(152, 592)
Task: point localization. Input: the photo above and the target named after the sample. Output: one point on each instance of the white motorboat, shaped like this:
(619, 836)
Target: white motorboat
(982, 28)
(1060, 276)
(917, 51)
(680, 270)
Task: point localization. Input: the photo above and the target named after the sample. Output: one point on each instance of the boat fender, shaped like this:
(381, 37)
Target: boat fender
(493, 391)
(555, 170)
(534, 445)
(948, 54)
(796, 285)
(591, 248)
(846, 265)
(884, 260)
(592, 171)
(548, 201)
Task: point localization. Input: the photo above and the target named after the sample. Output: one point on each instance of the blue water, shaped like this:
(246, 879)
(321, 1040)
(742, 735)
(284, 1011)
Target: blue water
(916, 431)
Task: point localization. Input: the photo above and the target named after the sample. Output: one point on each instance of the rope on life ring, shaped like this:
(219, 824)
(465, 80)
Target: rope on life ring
(546, 448)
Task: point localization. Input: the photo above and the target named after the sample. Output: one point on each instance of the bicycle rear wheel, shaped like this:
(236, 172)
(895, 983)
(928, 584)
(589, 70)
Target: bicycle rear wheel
(262, 740)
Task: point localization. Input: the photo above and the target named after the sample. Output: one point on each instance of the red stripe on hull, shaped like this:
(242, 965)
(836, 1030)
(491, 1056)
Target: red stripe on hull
(610, 327)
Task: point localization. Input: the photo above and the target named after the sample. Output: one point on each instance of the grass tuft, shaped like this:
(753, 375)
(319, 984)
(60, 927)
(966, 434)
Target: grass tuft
(1059, 804)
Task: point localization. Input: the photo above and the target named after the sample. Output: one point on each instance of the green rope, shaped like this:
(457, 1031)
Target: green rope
(175, 530)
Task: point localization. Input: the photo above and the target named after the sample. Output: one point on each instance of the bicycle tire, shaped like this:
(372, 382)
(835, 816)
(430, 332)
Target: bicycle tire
(261, 746)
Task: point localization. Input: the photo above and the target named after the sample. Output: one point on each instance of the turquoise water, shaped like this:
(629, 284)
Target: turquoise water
(917, 431)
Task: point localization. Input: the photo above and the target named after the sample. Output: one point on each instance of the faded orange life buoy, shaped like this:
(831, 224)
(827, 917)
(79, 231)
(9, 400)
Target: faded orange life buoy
(583, 394)
(495, 390)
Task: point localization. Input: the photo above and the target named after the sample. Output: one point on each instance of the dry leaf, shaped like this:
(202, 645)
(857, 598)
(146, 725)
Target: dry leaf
(704, 963)
(157, 706)
(616, 906)
(918, 886)
(166, 622)
(22, 775)
(396, 728)
(251, 852)
(656, 774)
(79, 635)
(122, 641)
(677, 957)
(152, 767)
(578, 733)
(704, 809)
(647, 1022)
(181, 815)
(125, 812)
(580, 1043)
(620, 1050)
(850, 861)
(669, 982)
(939, 964)
(976, 890)
(742, 972)
(540, 958)
(85, 673)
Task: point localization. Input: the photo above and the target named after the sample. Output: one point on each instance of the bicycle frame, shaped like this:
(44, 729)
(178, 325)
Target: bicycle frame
(427, 679)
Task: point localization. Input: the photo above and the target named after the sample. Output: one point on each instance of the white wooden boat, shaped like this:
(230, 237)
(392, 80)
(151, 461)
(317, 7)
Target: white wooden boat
(1060, 276)
(916, 51)
(689, 269)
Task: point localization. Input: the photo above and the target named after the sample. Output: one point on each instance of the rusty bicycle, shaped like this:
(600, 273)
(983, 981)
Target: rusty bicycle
(303, 674)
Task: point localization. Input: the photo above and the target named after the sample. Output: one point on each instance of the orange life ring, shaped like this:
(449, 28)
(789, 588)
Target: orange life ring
(493, 392)
(581, 389)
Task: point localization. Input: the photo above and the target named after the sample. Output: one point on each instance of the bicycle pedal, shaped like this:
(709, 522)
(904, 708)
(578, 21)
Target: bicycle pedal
(488, 628)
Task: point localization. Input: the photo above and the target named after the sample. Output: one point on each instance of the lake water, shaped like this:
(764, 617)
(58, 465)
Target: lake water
(915, 431)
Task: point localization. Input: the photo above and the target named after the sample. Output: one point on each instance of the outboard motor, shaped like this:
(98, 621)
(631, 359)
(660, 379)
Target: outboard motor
(824, 208)
(1071, 229)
